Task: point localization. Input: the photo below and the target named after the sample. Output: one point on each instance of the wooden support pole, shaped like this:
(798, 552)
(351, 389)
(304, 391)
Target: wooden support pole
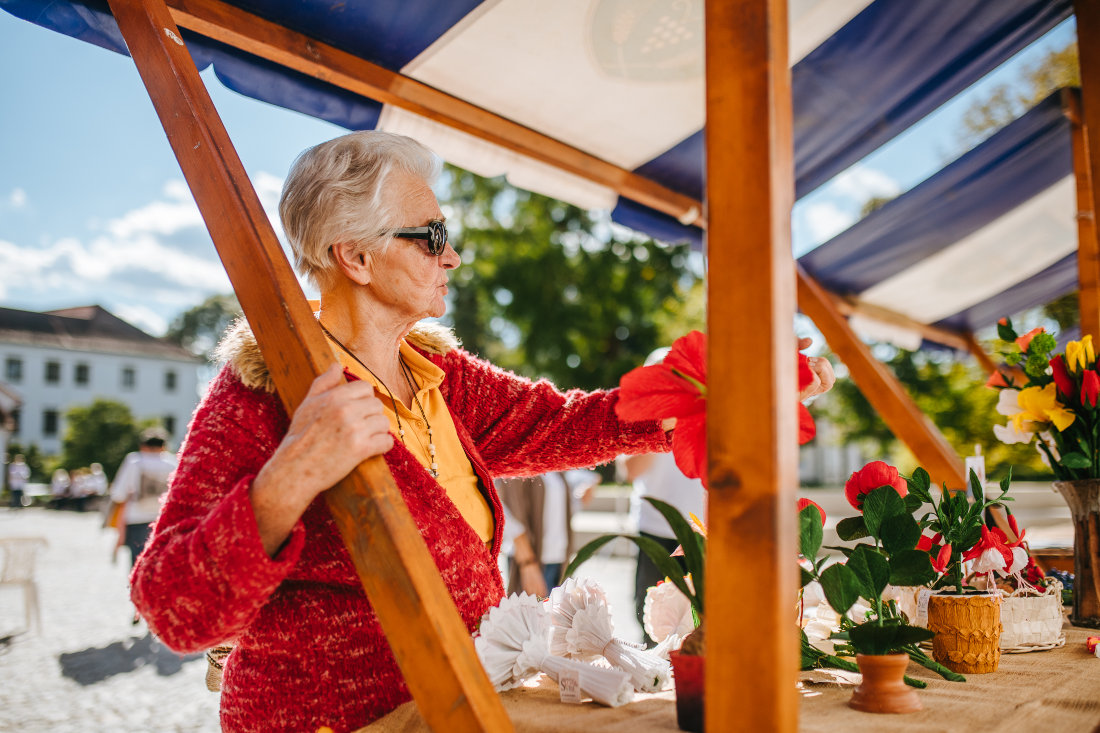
(428, 638)
(251, 33)
(881, 388)
(850, 306)
(752, 665)
(1088, 247)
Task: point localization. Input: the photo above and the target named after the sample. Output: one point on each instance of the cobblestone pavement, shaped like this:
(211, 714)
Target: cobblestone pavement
(91, 670)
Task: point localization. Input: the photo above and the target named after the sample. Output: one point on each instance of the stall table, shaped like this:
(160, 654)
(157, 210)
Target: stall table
(1055, 690)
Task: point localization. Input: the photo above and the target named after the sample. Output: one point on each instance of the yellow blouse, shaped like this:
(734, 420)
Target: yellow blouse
(456, 474)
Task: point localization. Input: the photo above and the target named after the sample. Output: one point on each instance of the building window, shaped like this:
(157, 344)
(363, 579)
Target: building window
(82, 374)
(49, 423)
(13, 369)
(16, 416)
(169, 382)
(170, 424)
(129, 377)
(53, 372)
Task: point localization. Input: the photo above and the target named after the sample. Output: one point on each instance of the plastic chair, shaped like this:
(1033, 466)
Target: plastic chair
(19, 555)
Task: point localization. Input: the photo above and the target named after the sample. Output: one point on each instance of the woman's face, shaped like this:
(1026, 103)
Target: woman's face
(406, 277)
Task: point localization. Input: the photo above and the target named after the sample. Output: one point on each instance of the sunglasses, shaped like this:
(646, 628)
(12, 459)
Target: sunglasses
(435, 234)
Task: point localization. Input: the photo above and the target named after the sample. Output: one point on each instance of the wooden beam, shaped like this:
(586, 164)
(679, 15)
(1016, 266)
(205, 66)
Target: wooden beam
(752, 438)
(428, 638)
(881, 388)
(253, 34)
(851, 306)
(1088, 248)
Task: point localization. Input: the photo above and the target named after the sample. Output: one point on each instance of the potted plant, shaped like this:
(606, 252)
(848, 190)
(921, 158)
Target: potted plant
(883, 638)
(1054, 397)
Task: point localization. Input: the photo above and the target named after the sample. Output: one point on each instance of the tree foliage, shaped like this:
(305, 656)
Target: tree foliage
(198, 329)
(102, 432)
(549, 290)
(951, 393)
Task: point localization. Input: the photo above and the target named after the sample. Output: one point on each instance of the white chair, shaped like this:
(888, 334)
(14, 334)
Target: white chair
(19, 555)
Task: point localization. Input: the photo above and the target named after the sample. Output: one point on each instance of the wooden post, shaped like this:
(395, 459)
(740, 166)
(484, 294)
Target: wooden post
(428, 638)
(752, 649)
(1085, 158)
(881, 387)
(1088, 248)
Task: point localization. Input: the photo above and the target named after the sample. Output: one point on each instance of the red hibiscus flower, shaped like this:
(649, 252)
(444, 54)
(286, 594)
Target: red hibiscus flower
(803, 503)
(677, 387)
(871, 477)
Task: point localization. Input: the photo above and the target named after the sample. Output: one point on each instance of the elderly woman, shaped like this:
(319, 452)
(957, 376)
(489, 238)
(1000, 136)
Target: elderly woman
(245, 550)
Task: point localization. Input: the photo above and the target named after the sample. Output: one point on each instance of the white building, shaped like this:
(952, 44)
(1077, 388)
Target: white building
(58, 360)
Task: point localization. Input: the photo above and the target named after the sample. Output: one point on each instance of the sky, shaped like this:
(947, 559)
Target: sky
(94, 208)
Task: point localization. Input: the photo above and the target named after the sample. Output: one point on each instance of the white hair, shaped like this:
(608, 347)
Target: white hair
(335, 194)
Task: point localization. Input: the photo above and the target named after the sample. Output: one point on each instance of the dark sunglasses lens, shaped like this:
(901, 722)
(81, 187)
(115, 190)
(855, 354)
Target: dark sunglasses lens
(437, 241)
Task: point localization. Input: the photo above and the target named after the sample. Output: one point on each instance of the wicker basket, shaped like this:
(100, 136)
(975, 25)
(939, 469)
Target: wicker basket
(1032, 622)
(968, 631)
(215, 662)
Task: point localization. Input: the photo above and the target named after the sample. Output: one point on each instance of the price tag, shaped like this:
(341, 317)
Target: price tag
(922, 607)
(569, 683)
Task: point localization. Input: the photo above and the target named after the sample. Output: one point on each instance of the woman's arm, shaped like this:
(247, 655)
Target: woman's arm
(523, 428)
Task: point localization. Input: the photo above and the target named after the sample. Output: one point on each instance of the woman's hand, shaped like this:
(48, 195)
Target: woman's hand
(824, 379)
(337, 426)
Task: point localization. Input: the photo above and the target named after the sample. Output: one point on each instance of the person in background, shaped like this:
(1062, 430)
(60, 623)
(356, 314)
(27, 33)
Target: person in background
(96, 481)
(538, 521)
(59, 488)
(139, 484)
(18, 475)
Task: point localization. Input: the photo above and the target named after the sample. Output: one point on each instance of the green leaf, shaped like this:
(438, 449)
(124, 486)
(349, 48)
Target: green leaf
(852, 528)
(912, 503)
(810, 531)
(1005, 332)
(1075, 460)
(846, 551)
(841, 587)
(807, 577)
(911, 567)
(689, 539)
(881, 503)
(976, 487)
(1006, 481)
(872, 570)
(899, 532)
(587, 552)
(919, 484)
(873, 638)
(671, 569)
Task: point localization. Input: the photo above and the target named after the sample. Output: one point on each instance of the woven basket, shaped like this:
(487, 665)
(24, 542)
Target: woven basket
(215, 662)
(1032, 623)
(968, 632)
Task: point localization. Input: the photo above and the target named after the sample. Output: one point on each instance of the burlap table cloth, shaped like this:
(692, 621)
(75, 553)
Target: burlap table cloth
(1056, 691)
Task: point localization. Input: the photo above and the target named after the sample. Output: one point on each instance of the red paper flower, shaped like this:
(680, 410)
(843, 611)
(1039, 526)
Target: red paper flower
(1024, 341)
(871, 477)
(1090, 388)
(806, 427)
(1062, 379)
(803, 503)
(940, 561)
(942, 557)
(677, 387)
(995, 539)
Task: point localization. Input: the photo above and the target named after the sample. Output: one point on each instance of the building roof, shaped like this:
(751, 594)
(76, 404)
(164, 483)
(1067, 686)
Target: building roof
(86, 328)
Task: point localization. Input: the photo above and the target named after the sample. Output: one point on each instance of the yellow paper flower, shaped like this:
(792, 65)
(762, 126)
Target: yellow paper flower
(697, 524)
(1079, 354)
(1040, 404)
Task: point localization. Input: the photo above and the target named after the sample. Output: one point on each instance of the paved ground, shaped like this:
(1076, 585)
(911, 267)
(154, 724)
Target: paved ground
(91, 670)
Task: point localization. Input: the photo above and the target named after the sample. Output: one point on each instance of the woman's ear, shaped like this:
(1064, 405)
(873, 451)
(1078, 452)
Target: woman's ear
(352, 261)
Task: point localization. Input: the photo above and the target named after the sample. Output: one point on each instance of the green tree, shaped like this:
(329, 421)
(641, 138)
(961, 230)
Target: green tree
(547, 289)
(198, 329)
(951, 393)
(1006, 102)
(102, 432)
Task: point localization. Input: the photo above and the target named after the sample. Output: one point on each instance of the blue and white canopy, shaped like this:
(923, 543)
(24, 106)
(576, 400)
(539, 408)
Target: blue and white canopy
(623, 80)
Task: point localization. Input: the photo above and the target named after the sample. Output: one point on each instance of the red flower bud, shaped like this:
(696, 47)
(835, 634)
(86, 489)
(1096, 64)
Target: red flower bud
(803, 503)
(1090, 388)
(1062, 378)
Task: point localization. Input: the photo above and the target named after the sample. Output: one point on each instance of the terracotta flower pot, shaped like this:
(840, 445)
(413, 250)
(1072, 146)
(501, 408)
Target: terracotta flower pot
(968, 632)
(1083, 498)
(883, 689)
(687, 673)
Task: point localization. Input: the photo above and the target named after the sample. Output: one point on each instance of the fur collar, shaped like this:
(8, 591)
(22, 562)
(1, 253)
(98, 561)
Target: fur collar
(239, 349)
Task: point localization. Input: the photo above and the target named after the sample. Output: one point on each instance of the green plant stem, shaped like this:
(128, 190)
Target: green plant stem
(925, 661)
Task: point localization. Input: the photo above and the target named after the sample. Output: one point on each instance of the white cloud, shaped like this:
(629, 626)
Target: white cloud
(179, 212)
(18, 198)
(861, 183)
(143, 317)
(826, 220)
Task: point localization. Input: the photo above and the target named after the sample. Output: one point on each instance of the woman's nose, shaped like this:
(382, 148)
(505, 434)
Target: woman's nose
(449, 260)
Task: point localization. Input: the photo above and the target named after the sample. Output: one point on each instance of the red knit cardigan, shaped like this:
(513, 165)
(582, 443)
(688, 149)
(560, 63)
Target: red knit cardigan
(309, 650)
